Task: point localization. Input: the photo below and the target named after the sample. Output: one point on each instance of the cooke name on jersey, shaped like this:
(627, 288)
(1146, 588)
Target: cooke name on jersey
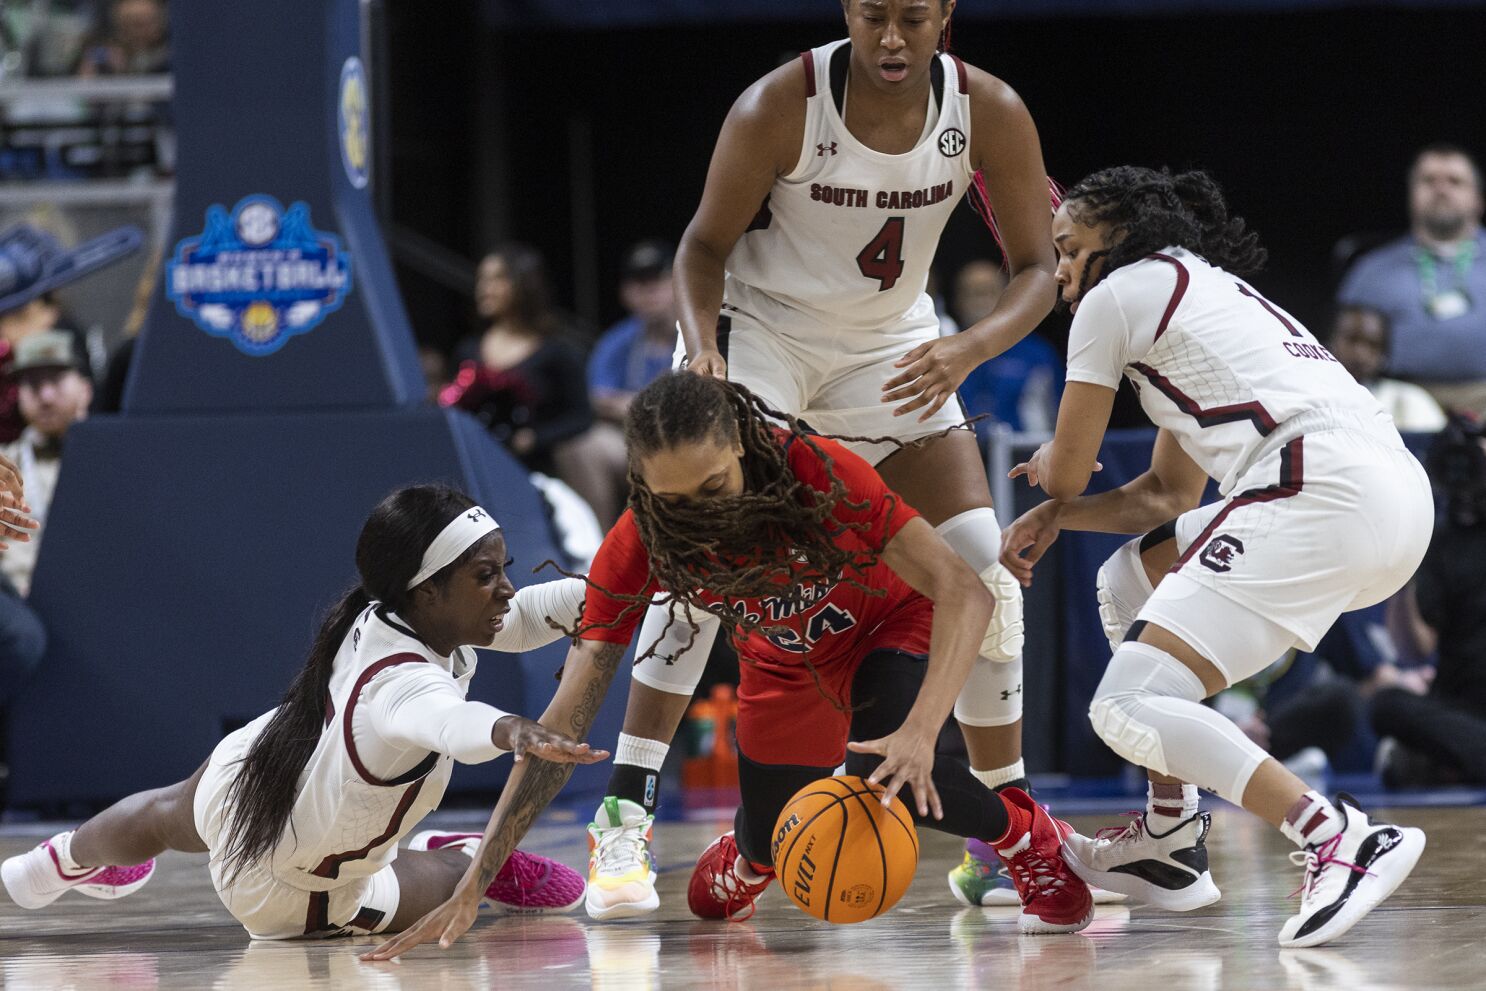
(882, 199)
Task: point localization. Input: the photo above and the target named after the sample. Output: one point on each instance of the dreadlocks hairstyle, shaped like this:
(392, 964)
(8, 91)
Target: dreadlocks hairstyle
(1149, 210)
(389, 553)
(777, 539)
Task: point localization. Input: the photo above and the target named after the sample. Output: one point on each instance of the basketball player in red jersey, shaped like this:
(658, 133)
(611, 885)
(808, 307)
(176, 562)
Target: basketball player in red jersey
(802, 277)
(833, 591)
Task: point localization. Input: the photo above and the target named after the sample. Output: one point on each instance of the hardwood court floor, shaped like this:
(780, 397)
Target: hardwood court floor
(175, 934)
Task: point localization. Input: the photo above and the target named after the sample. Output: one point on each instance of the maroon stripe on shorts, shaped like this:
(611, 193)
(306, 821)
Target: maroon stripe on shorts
(1292, 478)
(330, 867)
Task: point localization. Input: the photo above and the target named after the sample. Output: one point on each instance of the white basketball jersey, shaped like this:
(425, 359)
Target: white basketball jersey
(1214, 362)
(346, 821)
(849, 235)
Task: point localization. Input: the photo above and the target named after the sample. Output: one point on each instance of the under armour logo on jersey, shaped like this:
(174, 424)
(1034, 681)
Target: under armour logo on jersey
(1007, 694)
(1221, 552)
(822, 150)
(951, 142)
(475, 515)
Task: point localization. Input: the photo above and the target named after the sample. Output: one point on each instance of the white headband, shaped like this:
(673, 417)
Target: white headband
(453, 540)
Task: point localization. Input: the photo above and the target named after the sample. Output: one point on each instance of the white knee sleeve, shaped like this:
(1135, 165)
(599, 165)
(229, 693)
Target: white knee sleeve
(379, 901)
(674, 667)
(976, 536)
(1121, 588)
(992, 695)
(1149, 710)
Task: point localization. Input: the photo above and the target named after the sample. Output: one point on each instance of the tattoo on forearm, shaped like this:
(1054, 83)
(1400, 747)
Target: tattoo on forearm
(544, 779)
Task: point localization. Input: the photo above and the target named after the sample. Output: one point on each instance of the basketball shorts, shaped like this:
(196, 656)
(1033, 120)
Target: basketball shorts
(784, 717)
(829, 377)
(1327, 522)
(267, 907)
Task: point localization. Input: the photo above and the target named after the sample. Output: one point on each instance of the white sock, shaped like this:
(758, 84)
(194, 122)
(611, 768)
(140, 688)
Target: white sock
(998, 776)
(1311, 820)
(1166, 804)
(745, 872)
(637, 751)
(62, 846)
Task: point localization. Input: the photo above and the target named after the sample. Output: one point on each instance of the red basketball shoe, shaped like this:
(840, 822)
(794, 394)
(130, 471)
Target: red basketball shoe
(1054, 900)
(716, 891)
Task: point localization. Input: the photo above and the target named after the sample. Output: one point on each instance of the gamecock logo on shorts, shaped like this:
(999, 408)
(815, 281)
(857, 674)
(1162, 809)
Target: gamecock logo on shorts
(1221, 552)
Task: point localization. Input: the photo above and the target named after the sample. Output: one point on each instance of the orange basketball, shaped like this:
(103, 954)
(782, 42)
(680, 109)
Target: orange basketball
(839, 854)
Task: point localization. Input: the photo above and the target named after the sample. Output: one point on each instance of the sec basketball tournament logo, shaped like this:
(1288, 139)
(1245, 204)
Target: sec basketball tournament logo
(353, 118)
(951, 142)
(259, 275)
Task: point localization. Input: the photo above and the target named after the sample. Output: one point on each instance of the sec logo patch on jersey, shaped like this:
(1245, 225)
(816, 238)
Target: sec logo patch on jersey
(951, 142)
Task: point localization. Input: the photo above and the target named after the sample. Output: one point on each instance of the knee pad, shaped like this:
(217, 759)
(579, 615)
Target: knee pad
(1121, 588)
(1122, 714)
(674, 667)
(379, 902)
(992, 695)
(975, 535)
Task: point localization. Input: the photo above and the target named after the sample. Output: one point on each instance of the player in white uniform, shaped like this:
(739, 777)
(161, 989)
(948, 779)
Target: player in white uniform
(1323, 510)
(802, 276)
(302, 809)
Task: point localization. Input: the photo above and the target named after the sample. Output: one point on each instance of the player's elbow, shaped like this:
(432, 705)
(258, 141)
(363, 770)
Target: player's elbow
(1065, 485)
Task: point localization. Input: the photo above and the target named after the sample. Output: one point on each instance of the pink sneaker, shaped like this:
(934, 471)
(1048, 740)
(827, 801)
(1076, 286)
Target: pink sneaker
(35, 878)
(526, 883)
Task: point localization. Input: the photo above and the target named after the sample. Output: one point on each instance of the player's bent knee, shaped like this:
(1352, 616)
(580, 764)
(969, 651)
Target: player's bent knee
(1122, 588)
(1126, 712)
(1116, 720)
(975, 535)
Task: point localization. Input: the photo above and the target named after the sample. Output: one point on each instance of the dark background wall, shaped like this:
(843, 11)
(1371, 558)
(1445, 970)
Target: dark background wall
(581, 141)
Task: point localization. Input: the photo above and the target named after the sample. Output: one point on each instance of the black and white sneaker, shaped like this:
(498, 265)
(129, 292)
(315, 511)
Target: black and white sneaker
(1165, 870)
(1349, 874)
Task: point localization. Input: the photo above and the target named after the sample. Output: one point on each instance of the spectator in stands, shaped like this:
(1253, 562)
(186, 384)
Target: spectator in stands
(1020, 387)
(1431, 283)
(1441, 737)
(55, 392)
(639, 348)
(1359, 340)
(524, 378)
(135, 40)
(33, 265)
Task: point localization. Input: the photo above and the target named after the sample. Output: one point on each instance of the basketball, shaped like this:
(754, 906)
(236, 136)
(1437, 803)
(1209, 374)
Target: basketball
(839, 854)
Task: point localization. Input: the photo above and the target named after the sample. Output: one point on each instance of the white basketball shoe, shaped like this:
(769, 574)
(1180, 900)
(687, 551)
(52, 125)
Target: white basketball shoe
(36, 878)
(1163, 869)
(1349, 874)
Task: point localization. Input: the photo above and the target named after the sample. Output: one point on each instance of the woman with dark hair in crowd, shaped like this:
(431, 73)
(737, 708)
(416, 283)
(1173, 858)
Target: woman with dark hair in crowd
(527, 381)
(852, 618)
(302, 809)
(1323, 511)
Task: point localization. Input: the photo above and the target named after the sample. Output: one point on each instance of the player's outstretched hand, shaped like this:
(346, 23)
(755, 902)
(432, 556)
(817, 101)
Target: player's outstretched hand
(524, 736)
(931, 374)
(446, 924)
(1028, 538)
(709, 363)
(908, 759)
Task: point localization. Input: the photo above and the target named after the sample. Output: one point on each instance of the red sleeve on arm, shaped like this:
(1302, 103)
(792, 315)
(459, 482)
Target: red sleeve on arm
(621, 566)
(884, 512)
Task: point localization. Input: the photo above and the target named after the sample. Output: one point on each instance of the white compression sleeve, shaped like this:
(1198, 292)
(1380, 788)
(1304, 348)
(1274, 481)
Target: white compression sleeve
(992, 695)
(419, 707)
(526, 626)
(674, 667)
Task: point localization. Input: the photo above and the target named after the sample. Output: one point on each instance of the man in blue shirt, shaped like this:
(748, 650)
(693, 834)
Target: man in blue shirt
(1431, 283)
(637, 349)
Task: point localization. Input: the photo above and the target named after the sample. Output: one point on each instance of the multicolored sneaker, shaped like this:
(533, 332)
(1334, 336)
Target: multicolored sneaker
(980, 879)
(1053, 898)
(621, 869)
(35, 878)
(1349, 874)
(716, 891)
(526, 883)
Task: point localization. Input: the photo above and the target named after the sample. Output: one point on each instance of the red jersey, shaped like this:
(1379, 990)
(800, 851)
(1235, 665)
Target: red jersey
(838, 617)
